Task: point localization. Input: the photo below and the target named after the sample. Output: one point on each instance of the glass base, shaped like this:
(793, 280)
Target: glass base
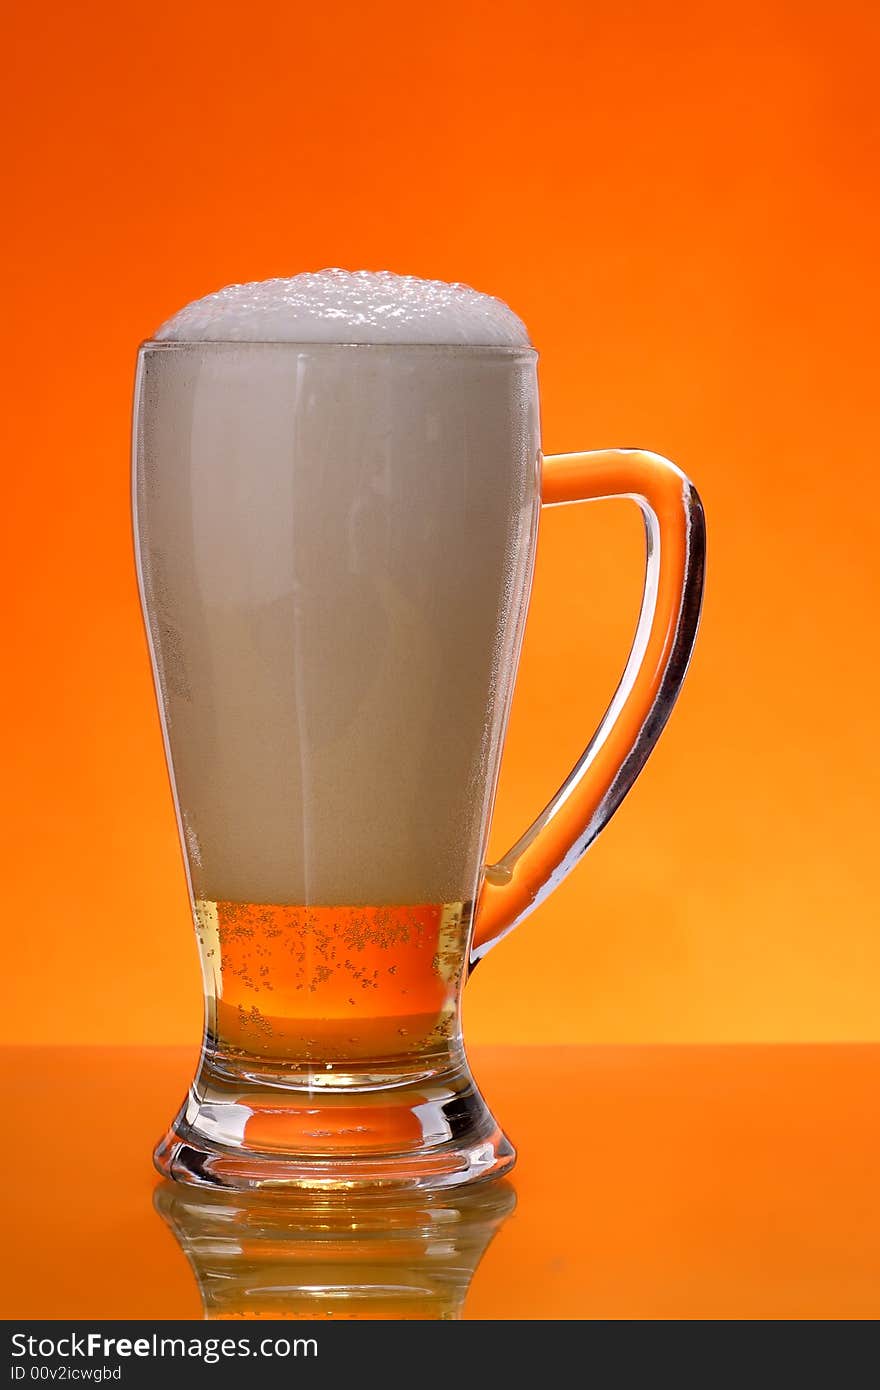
(342, 1133)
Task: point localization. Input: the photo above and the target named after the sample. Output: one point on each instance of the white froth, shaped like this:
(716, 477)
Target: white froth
(343, 306)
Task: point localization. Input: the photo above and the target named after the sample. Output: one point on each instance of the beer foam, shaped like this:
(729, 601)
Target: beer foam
(342, 306)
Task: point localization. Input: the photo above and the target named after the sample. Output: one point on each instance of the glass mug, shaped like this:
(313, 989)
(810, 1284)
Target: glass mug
(335, 547)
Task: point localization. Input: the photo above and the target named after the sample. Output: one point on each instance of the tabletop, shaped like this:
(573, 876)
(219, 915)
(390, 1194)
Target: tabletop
(652, 1182)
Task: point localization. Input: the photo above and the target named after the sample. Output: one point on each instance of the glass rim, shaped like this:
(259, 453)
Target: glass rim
(473, 349)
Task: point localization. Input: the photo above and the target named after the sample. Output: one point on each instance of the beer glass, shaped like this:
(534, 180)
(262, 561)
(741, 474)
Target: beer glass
(335, 546)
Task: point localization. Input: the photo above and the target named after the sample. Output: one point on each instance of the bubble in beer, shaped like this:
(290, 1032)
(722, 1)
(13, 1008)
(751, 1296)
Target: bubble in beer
(342, 306)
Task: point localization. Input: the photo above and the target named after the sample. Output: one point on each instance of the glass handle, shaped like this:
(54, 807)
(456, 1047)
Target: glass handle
(586, 801)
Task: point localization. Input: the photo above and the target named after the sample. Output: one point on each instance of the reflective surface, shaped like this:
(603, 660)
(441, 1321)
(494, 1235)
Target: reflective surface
(701, 1182)
(263, 1255)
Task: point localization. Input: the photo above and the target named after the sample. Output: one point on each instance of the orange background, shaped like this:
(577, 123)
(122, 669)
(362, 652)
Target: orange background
(682, 203)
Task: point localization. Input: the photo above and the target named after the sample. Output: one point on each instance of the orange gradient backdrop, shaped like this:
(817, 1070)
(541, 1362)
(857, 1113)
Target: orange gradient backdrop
(682, 202)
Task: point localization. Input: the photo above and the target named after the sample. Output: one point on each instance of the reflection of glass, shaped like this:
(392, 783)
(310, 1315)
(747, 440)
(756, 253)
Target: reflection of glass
(335, 547)
(371, 1256)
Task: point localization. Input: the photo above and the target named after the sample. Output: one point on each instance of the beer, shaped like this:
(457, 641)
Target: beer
(325, 987)
(335, 547)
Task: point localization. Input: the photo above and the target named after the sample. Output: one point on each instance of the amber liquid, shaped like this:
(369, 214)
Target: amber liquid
(323, 986)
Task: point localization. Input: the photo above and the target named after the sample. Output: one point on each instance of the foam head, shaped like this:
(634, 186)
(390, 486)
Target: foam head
(342, 306)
